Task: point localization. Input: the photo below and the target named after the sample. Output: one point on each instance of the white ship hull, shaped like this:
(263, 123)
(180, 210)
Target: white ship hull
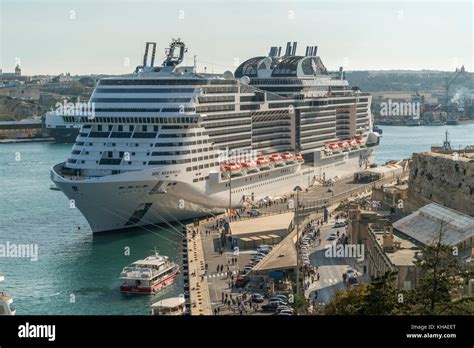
(141, 198)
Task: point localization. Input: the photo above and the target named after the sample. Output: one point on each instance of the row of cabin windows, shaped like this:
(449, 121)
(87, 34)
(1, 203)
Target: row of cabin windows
(144, 128)
(202, 166)
(201, 179)
(103, 119)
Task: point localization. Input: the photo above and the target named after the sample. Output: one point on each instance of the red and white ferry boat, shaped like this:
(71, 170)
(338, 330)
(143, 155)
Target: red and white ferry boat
(148, 276)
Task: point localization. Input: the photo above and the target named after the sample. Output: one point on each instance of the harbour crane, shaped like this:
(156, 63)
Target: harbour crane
(448, 84)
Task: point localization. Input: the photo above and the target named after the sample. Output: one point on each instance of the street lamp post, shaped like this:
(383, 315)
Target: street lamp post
(297, 189)
(230, 190)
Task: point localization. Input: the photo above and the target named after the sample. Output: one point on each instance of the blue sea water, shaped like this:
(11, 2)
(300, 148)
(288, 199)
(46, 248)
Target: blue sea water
(74, 265)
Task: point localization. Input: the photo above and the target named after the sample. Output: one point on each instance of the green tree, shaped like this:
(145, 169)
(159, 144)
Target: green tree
(347, 302)
(439, 269)
(382, 296)
(300, 304)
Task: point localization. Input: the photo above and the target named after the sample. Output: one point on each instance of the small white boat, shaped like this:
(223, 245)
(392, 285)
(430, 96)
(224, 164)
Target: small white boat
(169, 306)
(148, 276)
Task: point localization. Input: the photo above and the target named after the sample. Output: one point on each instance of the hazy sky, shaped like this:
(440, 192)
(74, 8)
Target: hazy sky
(102, 36)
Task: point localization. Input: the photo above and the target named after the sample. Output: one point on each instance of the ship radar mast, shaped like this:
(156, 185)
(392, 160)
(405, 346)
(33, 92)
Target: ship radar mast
(175, 53)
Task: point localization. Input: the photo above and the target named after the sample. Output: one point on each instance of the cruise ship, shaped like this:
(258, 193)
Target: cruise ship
(168, 143)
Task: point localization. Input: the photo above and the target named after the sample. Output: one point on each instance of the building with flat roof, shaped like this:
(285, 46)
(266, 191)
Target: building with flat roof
(387, 252)
(278, 224)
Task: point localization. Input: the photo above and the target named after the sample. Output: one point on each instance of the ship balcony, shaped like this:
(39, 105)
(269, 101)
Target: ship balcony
(59, 170)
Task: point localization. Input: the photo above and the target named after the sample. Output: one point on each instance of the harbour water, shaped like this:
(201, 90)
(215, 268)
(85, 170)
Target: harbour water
(78, 274)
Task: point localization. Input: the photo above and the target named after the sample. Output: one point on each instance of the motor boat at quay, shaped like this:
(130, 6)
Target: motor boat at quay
(149, 275)
(169, 306)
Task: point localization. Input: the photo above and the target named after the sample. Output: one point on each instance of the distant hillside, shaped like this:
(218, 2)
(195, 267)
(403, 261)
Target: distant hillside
(407, 81)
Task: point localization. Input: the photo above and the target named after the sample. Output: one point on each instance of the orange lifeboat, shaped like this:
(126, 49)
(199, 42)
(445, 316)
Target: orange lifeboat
(232, 168)
(276, 160)
(334, 147)
(354, 144)
(360, 142)
(249, 166)
(275, 157)
(288, 157)
(263, 162)
(299, 158)
(343, 145)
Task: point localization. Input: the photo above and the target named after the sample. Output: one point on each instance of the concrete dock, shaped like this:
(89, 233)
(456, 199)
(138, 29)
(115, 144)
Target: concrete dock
(214, 266)
(198, 289)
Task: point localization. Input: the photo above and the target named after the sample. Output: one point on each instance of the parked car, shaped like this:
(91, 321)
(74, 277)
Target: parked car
(255, 212)
(286, 312)
(282, 297)
(240, 282)
(332, 236)
(352, 280)
(257, 298)
(264, 247)
(339, 223)
(277, 302)
(281, 308)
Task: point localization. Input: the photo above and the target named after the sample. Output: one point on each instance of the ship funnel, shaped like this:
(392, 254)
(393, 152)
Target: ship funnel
(273, 51)
(288, 49)
(279, 51)
(315, 50)
(307, 51)
(294, 48)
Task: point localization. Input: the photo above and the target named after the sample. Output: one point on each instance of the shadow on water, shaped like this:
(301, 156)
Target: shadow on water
(172, 231)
